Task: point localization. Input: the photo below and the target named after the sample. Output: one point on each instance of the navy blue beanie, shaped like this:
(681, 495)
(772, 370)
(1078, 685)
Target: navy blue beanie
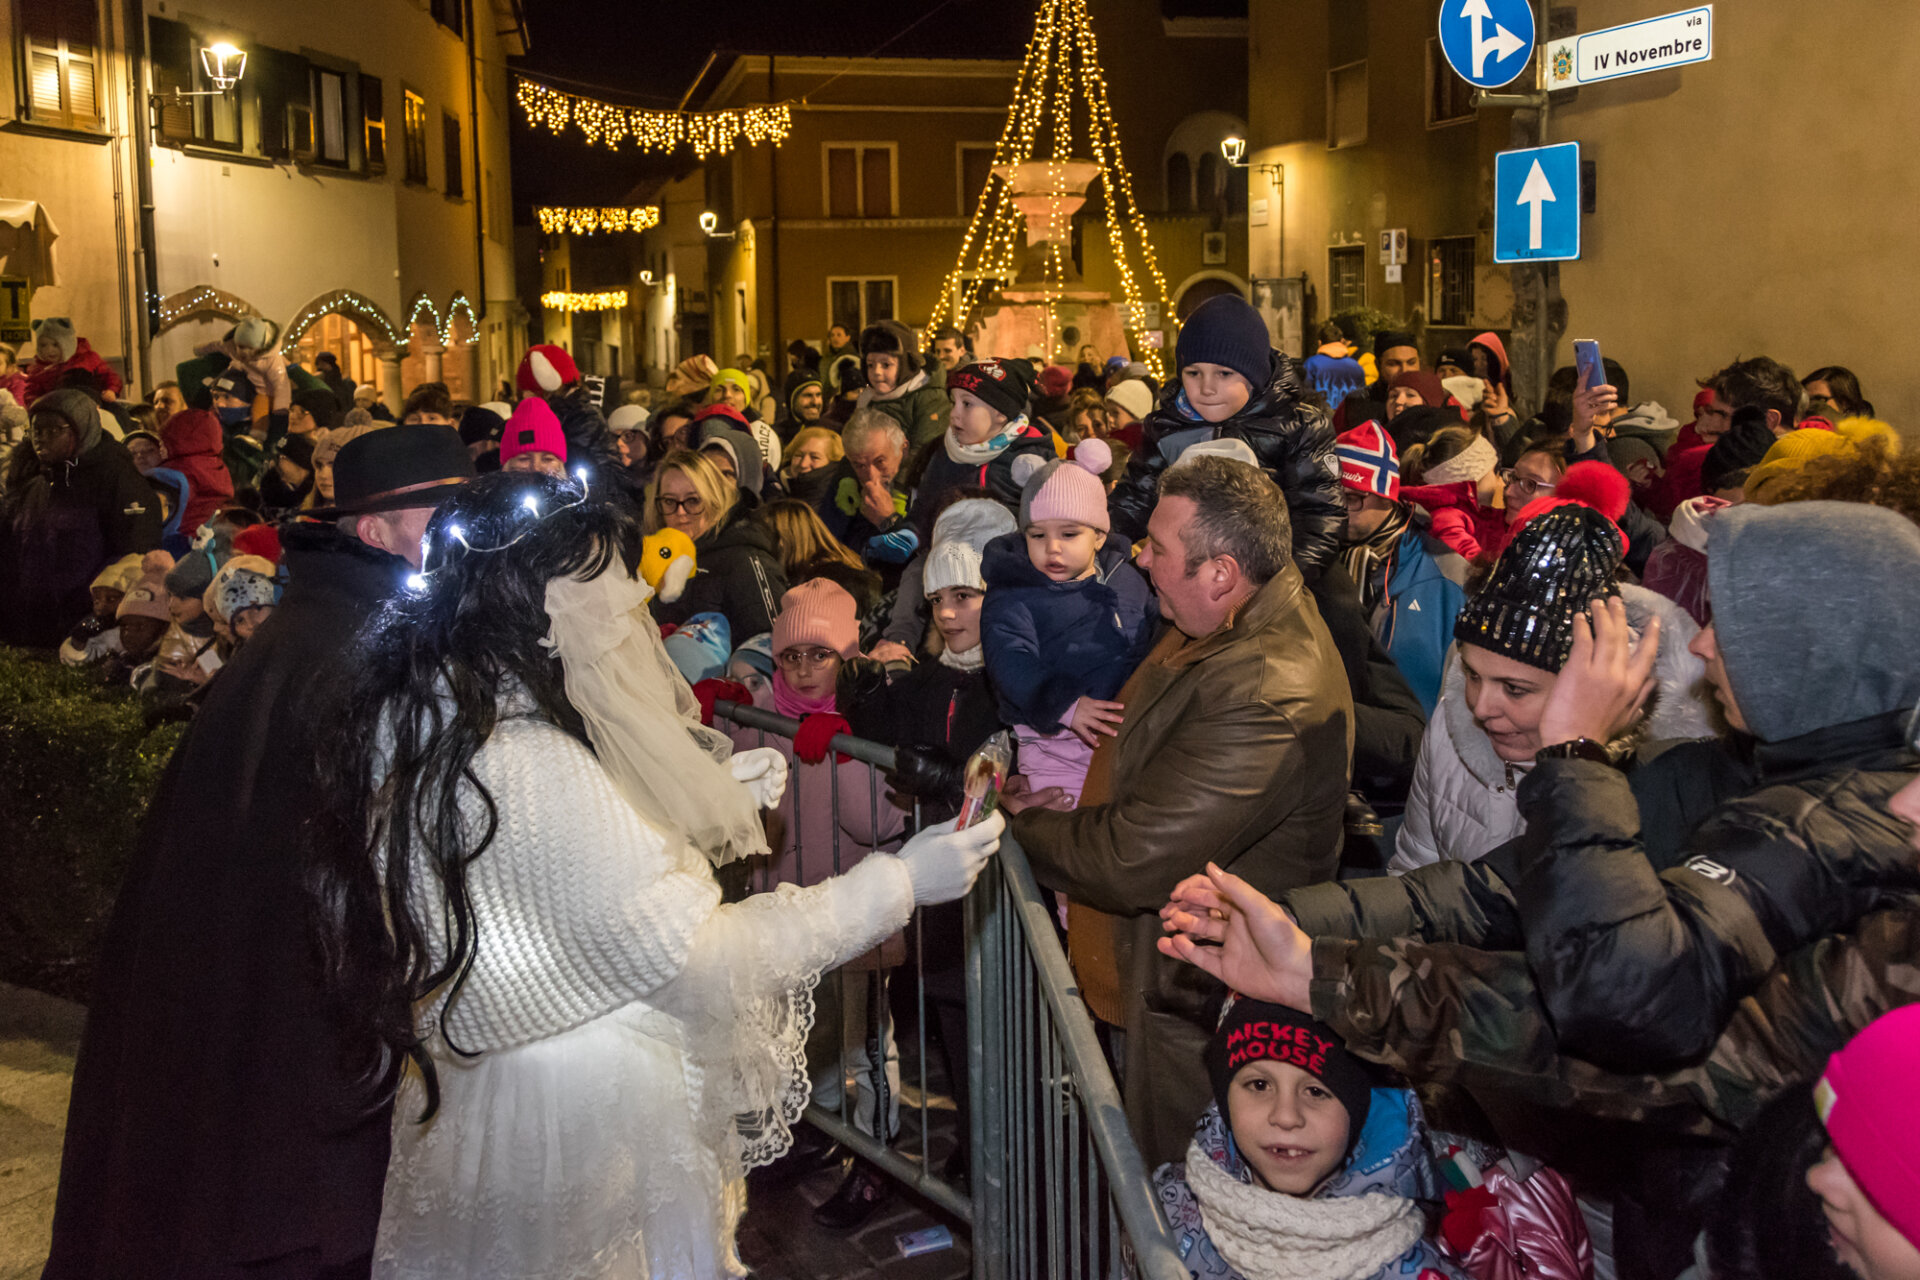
(1226, 331)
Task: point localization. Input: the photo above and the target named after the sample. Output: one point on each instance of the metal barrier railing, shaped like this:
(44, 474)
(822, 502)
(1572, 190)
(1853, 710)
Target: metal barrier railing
(1057, 1187)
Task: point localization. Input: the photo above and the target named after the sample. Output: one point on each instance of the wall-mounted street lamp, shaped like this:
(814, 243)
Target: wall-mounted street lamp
(222, 64)
(646, 277)
(709, 221)
(1235, 152)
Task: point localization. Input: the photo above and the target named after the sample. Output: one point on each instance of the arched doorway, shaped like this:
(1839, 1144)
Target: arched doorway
(190, 318)
(353, 327)
(1196, 289)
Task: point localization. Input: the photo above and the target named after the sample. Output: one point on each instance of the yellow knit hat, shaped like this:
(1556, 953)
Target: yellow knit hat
(1800, 448)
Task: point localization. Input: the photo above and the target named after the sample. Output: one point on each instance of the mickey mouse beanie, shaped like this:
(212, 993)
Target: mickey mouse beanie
(1067, 488)
(1004, 385)
(1254, 1031)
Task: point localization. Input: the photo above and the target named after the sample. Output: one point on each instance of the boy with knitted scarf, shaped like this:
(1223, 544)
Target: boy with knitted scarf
(1302, 1167)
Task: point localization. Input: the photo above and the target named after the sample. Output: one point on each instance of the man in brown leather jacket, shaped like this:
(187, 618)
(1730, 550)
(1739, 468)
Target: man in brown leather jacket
(1235, 748)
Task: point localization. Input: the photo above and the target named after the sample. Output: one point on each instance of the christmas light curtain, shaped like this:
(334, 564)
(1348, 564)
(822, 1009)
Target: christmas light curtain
(1061, 68)
(707, 132)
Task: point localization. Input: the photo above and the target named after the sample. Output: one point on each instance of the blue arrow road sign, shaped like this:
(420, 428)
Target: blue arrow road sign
(1487, 42)
(1536, 192)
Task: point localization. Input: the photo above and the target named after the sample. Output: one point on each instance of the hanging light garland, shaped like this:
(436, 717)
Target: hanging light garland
(587, 221)
(359, 308)
(605, 300)
(1062, 55)
(443, 325)
(707, 132)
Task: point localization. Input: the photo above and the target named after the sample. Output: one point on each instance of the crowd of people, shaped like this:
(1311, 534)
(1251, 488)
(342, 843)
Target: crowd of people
(1483, 841)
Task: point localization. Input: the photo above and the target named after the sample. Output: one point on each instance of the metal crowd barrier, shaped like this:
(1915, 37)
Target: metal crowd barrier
(1057, 1185)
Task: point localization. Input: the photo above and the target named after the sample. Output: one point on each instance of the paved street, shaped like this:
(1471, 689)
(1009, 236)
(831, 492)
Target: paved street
(39, 1036)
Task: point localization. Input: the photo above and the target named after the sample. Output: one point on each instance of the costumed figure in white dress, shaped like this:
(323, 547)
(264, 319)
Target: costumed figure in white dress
(518, 904)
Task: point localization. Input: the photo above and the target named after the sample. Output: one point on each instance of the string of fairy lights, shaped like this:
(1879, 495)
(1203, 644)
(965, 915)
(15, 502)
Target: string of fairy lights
(443, 325)
(590, 220)
(707, 132)
(1061, 55)
(604, 300)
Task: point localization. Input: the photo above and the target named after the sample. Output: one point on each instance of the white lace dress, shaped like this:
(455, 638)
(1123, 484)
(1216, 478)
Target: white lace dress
(639, 1045)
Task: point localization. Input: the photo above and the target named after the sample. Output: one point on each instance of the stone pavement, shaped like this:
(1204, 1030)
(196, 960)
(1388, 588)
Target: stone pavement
(38, 1038)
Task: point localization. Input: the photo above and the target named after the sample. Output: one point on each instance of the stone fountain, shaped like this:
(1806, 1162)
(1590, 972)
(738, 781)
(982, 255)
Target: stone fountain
(1013, 321)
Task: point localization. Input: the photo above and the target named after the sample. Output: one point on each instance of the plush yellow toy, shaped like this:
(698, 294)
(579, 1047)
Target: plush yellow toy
(666, 563)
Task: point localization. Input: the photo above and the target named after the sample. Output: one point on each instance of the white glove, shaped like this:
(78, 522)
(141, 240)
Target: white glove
(764, 771)
(944, 863)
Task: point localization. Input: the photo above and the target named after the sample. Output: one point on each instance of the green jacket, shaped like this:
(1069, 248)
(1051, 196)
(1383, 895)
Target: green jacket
(921, 409)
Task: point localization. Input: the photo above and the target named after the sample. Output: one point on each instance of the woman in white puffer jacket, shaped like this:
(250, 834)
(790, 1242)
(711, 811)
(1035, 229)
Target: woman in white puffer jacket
(1463, 800)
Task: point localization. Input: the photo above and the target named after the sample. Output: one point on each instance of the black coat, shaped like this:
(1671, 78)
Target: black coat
(62, 524)
(211, 1121)
(1290, 437)
(941, 714)
(943, 475)
(1388, 720)
(737, 574)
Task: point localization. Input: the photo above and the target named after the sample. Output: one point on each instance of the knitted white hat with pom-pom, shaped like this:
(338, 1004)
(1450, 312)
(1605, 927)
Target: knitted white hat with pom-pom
(1066, 489)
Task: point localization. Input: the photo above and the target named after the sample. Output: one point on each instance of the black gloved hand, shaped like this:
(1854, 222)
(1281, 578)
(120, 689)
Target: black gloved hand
(926, 772)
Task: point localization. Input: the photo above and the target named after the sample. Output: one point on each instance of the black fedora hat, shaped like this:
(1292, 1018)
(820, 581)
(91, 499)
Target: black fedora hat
(395, 468)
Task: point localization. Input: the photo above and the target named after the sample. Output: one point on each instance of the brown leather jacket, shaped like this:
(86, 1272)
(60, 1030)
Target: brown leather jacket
(1235, 749)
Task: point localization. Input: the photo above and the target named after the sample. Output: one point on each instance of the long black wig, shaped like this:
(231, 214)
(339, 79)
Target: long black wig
(434, 667)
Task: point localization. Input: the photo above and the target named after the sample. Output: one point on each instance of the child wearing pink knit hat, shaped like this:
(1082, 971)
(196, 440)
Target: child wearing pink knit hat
(1869, 1183)
(1067, 618)
(533, 440)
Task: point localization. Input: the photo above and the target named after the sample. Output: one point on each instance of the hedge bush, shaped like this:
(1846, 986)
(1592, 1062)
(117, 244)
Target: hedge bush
(78, 764)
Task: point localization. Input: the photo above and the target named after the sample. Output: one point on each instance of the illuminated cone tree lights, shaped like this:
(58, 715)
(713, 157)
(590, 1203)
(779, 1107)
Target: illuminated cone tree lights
(1041, 177)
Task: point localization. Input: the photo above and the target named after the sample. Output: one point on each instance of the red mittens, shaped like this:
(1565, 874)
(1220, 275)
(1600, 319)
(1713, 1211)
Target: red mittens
(816, 735)
(712, 691)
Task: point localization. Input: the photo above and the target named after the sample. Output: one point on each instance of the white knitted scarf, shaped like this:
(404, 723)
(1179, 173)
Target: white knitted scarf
(1266, 1235)
(975, 455)
(964, 659)
(1470, 463)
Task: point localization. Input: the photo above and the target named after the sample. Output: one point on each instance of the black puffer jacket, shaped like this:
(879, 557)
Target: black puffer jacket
(1639, 963)
(737, 574)
(1292, 439)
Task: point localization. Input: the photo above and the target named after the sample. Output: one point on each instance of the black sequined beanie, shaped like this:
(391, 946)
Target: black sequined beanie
(1557, 564)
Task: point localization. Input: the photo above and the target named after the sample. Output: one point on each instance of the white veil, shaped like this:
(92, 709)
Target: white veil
(643, 720)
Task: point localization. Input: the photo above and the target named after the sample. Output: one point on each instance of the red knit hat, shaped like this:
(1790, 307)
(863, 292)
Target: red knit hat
(820, 612)
(1872, 1113)
(546, 368)
(533, 428)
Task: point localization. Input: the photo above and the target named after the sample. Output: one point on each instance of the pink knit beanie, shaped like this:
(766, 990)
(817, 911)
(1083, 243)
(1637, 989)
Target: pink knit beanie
(1068, 489)
(817, 612)
(1872, 1114)
(532, 429)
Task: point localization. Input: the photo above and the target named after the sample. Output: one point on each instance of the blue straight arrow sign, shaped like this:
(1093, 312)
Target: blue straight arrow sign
(1536, 215)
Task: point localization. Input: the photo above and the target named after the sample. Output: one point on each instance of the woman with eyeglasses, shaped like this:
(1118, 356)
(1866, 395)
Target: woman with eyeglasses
(738, 573)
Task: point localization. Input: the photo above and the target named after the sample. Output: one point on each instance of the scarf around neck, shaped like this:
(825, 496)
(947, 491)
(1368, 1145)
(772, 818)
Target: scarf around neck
(977, 455)
(798, 706)
(964, 659)
(1374, 558)
(1267, 1235)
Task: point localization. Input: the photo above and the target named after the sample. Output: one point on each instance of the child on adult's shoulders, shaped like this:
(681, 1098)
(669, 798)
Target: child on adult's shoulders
(1067, 619)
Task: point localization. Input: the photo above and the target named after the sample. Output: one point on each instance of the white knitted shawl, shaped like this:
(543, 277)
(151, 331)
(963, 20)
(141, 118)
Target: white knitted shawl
(1267, 1235)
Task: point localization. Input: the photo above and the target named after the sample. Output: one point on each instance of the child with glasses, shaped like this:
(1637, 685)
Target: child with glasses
(835, 808)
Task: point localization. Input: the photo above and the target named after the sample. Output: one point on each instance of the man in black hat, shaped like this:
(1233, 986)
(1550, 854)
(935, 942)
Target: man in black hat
(214, 1131)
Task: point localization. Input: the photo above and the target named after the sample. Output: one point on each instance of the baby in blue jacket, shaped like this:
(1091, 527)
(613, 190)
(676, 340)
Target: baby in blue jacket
(1067, 617)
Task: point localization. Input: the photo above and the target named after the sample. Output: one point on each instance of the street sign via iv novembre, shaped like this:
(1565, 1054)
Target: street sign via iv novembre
(1652, 44)
(1537, 204)
(1487, 42)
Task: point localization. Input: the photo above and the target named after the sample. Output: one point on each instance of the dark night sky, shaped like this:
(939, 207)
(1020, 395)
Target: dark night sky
(646, 54)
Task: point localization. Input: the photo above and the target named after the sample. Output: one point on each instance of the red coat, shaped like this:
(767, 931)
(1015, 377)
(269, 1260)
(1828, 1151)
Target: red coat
(193, 441)
(42, 378)
(1459, 521)
(1681, 478)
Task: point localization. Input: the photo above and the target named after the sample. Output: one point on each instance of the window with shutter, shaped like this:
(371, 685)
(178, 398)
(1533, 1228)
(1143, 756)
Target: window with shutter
(876, 182)
(1347, 106)
(280, 85)
(216, 117)
(843, 182)
(456, 160)
(373, 123)
(60, 45)
(170, 51)
(329, 117)
(976, 170)
(413, 125)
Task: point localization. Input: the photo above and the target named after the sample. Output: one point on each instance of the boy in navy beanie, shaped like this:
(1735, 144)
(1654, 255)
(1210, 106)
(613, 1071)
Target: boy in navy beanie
(1234, 385)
